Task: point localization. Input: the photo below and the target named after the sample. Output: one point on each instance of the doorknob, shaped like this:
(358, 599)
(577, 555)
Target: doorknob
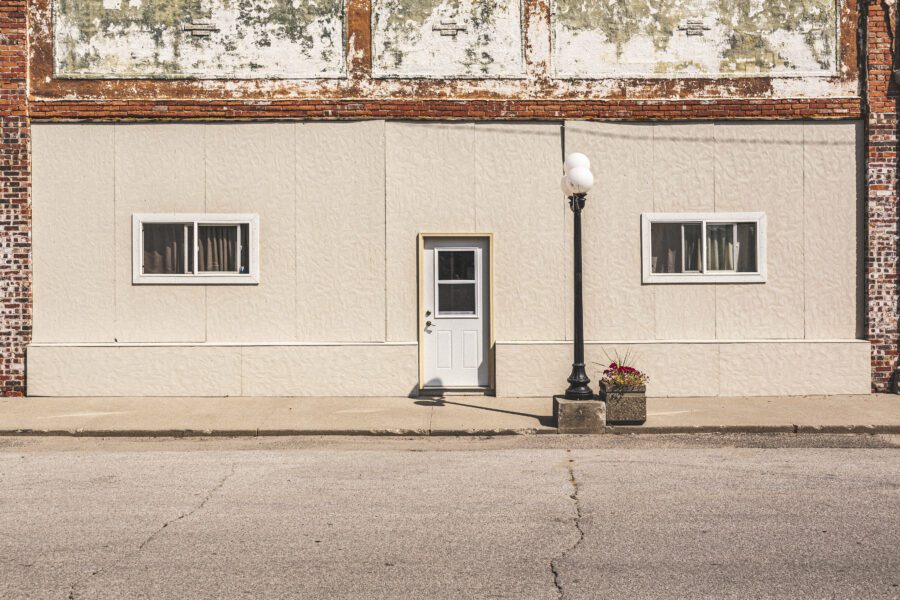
(428, 323)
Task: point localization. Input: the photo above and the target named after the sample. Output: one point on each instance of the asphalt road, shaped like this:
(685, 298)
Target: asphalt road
(551, 517)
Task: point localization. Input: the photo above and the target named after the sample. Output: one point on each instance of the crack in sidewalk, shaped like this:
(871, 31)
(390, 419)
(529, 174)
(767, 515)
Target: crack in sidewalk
(554, 567)
(218, 486)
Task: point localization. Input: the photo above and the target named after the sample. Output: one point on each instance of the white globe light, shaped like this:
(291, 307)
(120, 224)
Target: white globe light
(575, 160)
(580, 180)
(564, 186)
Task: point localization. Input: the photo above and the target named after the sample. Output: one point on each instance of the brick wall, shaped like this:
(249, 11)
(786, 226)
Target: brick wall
(15, 206)
(631, 110)
(881, 178)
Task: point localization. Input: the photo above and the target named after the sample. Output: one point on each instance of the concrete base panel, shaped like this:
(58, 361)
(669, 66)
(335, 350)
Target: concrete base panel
(684, 369)
(311, 370)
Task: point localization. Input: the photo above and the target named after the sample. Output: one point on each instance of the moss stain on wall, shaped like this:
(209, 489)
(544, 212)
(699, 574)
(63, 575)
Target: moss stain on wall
(735, 36)
(247, 38)
(407, 43)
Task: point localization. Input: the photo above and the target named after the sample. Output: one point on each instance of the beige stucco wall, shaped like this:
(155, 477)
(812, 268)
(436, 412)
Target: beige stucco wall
(340, 205)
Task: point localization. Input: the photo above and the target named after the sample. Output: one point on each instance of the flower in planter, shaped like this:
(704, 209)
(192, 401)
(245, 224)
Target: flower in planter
(620, 373)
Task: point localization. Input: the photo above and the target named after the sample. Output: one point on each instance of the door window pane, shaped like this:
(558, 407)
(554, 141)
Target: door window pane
(745, 247)
(217, 249)
(720, 247)
(456, 299)
(665, 240)
(166, 248)
(456, 265)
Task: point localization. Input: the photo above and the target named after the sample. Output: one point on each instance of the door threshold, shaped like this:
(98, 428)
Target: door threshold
(456, 391)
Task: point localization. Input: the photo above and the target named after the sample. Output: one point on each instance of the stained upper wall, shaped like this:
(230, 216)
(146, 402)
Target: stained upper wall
(603, 38)
(516, 49)
(161, 39)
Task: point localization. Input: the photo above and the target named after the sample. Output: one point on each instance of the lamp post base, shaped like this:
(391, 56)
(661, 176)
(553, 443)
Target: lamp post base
(578, 384)
(578, 416)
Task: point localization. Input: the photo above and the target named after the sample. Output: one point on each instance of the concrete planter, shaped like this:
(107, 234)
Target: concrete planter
(624, 405)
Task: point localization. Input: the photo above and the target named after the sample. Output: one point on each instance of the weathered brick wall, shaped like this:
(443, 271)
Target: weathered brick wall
(15, 206)
(631, 110)
(881, 176)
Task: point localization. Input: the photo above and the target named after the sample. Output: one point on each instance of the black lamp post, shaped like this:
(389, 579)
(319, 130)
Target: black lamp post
(576, 183)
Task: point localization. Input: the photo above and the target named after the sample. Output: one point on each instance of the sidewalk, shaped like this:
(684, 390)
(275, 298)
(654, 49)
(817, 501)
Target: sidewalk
(454, 415)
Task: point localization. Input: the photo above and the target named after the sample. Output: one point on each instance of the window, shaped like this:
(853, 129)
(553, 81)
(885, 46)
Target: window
(195, 249)
(708, 247)
(457, 281)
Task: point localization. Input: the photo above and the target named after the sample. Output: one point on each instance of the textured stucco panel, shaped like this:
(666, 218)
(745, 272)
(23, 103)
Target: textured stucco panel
(759, 167)
(250, 169)
(831, 225)
(518, 199)
(430, 170)
(159, 168)
(134, 371)
(443, 38)
(532, 369)
(685, 312)
(795, 368)
(684, 181)
(617, 306)
(377, 370)
(72, 204)
(684, 167)
(340, 231)
(603, 38)
(168, 39)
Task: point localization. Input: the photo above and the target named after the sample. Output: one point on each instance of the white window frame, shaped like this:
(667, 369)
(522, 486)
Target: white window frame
(438, 281)
(213, 278)
(704, 276)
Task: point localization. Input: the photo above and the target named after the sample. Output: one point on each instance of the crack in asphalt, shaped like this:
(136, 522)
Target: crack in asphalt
(554, 567)
(155, 534)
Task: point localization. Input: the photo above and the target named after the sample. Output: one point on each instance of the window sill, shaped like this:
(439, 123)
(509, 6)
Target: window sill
(195, 280)
(704, 278)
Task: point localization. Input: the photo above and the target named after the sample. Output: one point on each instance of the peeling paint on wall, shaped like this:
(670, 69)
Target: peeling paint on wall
(204, 39)
(447, 38)
(695, 38)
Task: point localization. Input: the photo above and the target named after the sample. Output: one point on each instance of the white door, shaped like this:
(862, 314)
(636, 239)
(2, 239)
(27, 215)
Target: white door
(455, 318)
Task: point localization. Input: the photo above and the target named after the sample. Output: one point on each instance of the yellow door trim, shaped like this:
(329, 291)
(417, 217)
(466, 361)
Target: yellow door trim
(420, 262)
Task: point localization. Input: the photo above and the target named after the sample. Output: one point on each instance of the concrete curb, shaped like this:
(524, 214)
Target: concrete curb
(830, 429)
(608, 430)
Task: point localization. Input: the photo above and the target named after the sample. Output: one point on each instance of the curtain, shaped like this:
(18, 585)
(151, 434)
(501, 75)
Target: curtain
(746, 247)
(665, 241)
(692, 247)
(217, 248)
(720, 247)
(164, 248)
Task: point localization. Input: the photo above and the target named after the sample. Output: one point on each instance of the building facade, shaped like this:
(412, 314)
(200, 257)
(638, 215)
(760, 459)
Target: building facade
(362, 197)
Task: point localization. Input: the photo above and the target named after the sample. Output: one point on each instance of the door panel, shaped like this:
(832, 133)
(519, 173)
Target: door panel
(444, 349)
(455, 317)
(470, 349)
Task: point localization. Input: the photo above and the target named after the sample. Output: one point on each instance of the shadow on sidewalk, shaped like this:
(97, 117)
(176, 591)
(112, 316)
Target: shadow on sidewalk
(544, 420)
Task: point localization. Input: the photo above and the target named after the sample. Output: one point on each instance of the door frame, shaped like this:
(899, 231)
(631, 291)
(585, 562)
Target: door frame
(485, 278)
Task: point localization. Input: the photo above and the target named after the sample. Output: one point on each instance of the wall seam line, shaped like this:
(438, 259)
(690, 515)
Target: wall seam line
(715, 192)
(116, 240)
(803, 216)
(384, 205)
(296, 253)
(197, 241)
